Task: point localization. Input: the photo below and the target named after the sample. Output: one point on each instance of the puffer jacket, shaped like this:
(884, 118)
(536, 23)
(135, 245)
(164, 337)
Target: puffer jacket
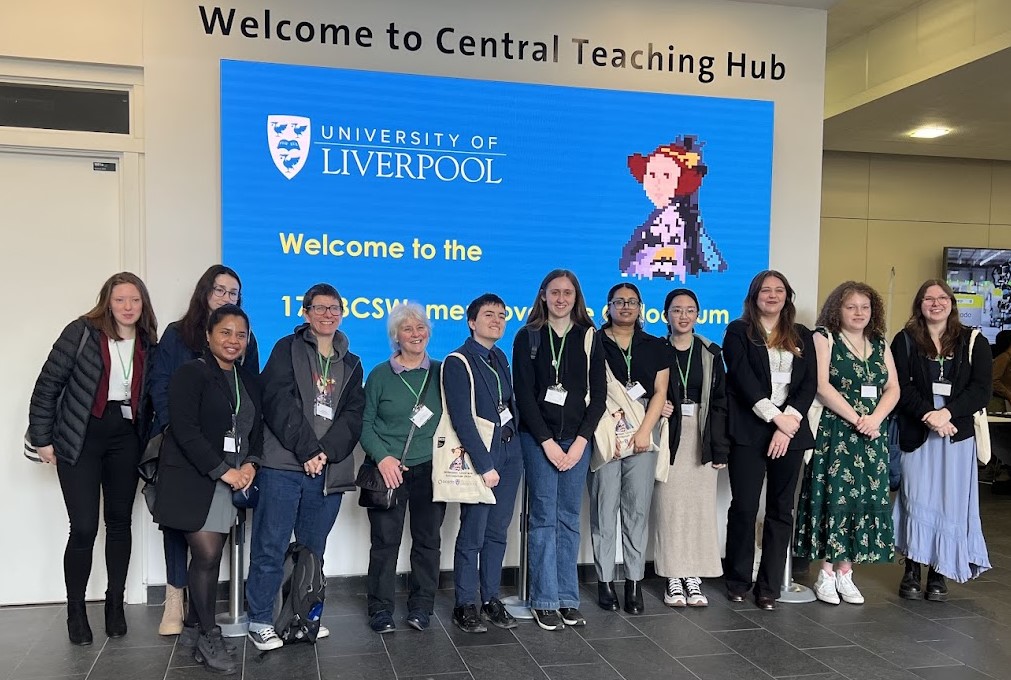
(64, 423)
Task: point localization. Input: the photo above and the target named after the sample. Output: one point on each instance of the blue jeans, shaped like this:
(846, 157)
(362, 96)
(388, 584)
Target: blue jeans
(553, 525)
(176, 554)
(289, 501)
(481, 543)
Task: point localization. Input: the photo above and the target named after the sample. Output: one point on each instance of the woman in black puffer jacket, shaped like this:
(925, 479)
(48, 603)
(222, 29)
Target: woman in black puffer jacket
(87, 416)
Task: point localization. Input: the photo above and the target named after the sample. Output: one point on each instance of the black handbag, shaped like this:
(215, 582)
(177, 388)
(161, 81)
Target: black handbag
(374, 494)
(147, 468)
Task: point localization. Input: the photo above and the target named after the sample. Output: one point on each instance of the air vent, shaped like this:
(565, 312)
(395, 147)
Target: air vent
(64, 108)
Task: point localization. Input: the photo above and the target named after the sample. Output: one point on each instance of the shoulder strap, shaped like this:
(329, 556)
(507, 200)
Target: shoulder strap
(535, 342)
(470, 374)
(82, 343)
(972, 341)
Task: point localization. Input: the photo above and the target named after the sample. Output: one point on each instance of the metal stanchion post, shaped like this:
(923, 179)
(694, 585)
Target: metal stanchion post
(519, 605)
(235, 622)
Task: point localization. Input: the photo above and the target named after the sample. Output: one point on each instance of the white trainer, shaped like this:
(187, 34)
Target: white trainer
(674, 594)
(825, 588)
(265, 639)
(844, 584)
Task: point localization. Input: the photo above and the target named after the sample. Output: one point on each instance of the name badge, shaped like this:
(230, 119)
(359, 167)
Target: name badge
(688, 409)
(635, 390)
(324, 411)
(780, 377)
(869, 391)
(556, 395)
(942, 389)
(421, 415)
(504, 415)
(127, 411)
(230, 445)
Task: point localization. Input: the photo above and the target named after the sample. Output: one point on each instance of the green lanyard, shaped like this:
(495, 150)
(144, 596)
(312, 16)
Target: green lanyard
(556, 359)
(627, 356)
(684, 373)
(498, 380)
(127, 368)
(324, 369)
(417, 395)
(238, 392)
(940, 376)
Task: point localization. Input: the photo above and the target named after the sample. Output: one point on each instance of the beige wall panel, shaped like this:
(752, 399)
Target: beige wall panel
(929, 189)
(1000, 200)
(843, 253)
(891, 49)
(993, 17)
(844, 185)
(1000, 236)
(944, 27)
(96, 31)
(846, 69)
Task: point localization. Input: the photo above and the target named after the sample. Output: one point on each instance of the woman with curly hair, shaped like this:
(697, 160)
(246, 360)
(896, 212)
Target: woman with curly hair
(844, 514)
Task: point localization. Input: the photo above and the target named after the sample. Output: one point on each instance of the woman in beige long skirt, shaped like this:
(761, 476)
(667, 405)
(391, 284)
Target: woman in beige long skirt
(684, 507)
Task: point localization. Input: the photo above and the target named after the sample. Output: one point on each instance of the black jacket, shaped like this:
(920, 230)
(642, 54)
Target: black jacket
(713, 412)
(63, 424)
(192, 456)
(749, 380)
(970, 387)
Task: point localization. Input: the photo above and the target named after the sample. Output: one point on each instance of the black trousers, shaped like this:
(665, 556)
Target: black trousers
(426, 540)
(748, 467)
(106, 468)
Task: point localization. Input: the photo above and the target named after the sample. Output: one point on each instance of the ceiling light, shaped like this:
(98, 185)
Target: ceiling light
(929, 132)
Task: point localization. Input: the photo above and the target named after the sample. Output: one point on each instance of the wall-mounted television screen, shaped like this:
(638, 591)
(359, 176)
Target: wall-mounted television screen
(981, 279)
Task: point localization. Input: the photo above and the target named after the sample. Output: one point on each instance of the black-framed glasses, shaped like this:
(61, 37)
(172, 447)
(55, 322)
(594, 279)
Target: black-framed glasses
(631, 303)
(335, 310)
(221, 291)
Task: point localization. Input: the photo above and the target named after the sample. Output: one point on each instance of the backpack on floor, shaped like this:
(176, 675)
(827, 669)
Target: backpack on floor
(303, 591)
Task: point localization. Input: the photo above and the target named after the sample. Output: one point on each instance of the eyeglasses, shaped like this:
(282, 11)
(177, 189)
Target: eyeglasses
(940, 299)
(631, 303)
(221, 291)
(683, 311)
(335, 310)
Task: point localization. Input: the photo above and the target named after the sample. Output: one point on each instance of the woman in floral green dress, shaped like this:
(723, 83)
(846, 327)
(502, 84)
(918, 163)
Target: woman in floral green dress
(845, 515)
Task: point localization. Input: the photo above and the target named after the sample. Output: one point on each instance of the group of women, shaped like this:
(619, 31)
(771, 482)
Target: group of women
(644, 423)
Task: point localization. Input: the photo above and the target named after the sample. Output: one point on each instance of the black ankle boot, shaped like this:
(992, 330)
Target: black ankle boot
(210, 652)
(607, 598)
(909, 587)
(937, 589)
(77, 623)
(115, 617)
(633, 597)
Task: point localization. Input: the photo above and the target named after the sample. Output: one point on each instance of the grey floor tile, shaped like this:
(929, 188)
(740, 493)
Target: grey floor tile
(556, 648)
(57, 659)
(906, 646)
(188, 673)
(137, 663)
(724, 667)
(714, 619)
(596, 671)
(438, 676)
(641, 659)
(351, 635)
(856, 662)
(431, 653)
(949, 673)
(500, 661)
(771, 654)
(952, 609)
(359, 667)
(679, 637)
(142, 626)
(296, 660)
(793, 627)
(985, 646)
(610, 625)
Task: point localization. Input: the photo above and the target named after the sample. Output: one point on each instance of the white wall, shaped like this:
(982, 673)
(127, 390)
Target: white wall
(178, 130)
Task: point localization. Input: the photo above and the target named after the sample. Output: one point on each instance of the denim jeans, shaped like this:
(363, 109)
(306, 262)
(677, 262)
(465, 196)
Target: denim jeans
(177, 553)
(481, 543)
(553, 531)
(289, 501)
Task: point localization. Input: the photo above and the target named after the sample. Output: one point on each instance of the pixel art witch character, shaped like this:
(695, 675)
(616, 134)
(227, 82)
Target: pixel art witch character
(672, 243)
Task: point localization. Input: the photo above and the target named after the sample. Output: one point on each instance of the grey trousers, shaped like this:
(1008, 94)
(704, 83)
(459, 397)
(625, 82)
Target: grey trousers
(626, 484)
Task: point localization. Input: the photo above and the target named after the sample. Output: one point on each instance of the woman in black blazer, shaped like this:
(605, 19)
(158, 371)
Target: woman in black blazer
(211, 449)
(771, 382)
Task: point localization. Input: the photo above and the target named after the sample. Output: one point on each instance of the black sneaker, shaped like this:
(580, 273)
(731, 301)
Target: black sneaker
(466, 619)
(382, 622)
(571, 616)
(496, 614)
(548, 619)
(418, 619)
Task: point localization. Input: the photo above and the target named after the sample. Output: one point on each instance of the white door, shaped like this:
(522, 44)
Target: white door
(61, 240)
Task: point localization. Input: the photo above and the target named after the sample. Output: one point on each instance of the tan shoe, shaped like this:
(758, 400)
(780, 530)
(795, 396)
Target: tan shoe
(172, 618)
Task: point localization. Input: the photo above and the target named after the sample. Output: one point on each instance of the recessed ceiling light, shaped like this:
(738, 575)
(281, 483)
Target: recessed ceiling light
(929, 132)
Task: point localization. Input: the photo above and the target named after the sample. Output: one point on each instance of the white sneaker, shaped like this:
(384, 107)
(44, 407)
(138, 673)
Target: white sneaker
(844, 584)
(674, 594)
(323, 632)
(824, 588)
(693, 584)
(265, 639)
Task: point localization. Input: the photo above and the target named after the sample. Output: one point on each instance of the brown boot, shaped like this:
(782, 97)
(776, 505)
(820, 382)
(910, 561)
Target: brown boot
(172, 618)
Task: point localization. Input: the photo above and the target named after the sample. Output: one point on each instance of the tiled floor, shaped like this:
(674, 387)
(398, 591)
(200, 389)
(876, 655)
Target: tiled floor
(966, 638)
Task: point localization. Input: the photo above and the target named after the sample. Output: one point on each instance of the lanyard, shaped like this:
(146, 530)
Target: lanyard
(324, 369)
(498, 380)
(864, 355)
(940, 360)
(238, 392)
(127, 366)
(627, 356)
(556, 359)
(684, 373)
(417, 395)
